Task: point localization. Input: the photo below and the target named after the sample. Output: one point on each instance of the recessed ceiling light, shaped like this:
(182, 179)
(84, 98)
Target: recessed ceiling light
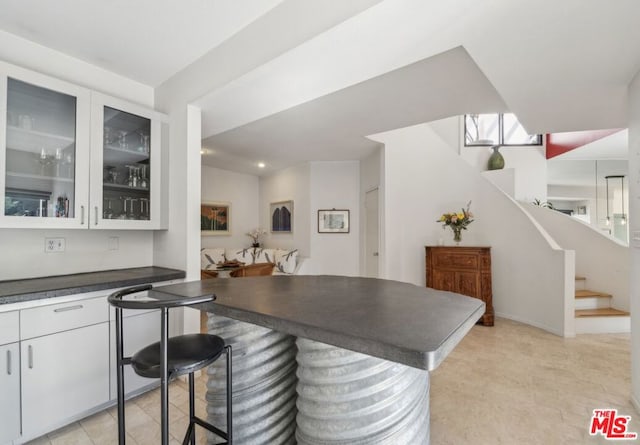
(261, 165)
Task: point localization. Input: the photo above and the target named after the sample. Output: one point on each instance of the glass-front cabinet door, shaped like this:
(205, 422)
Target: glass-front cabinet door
(125, 161)
(44, 151)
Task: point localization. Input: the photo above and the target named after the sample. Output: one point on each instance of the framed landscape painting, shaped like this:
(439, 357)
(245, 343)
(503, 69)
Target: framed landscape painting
(281, 214)
(333, 221)
(215, 218)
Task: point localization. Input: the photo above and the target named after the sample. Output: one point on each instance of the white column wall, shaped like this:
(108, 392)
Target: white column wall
(634, 226)
(335, 185)
(424, 178)
(289, 184)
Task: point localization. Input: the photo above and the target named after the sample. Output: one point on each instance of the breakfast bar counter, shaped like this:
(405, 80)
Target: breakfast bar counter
(351, 355)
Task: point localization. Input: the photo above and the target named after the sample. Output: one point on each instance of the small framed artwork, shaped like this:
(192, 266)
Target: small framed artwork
(281, 216)
(215, 218)
(333, 221)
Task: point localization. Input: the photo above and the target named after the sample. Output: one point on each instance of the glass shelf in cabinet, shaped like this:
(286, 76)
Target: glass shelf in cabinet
(35, 141)
(117, 155)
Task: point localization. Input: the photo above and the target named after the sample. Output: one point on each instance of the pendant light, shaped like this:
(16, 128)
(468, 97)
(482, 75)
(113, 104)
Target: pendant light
(623, 221)
(608, 221)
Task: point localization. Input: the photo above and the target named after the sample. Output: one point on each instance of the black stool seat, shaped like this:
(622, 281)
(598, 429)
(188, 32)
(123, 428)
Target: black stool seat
(186, 354)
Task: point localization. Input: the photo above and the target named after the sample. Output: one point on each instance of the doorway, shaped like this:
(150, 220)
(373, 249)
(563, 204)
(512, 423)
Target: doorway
(372, 233)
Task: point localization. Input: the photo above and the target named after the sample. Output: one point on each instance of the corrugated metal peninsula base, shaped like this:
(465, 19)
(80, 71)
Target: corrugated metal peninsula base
(345, 397)
(264, 383)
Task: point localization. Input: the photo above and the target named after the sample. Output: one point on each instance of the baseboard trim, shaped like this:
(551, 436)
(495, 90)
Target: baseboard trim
(535, 325)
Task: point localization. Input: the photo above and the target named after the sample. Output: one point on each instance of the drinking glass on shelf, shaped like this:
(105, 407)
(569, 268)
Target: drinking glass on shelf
(108, 211)
(144, 140)
(144, 208)
(131, 179)
(122, 141)
(108, 135)
(136, 176)
(143, 177)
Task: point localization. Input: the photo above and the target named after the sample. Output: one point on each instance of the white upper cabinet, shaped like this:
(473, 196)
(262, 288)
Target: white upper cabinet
(44, 151)
(125, 165)
(73, 158)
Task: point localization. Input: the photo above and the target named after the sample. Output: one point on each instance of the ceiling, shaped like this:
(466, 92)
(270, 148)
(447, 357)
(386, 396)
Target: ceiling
(144, 40)
(358, 67)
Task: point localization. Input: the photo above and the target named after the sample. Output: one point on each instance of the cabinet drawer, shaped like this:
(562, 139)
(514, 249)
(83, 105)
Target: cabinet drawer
(9, 327)
(456, 261)
(62, 317)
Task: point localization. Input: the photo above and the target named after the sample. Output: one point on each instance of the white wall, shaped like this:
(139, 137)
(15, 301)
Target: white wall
(526, 166)
(23, 253)
(335, 185)
(242, 192)
(529, 164)
(634, 223)
(424, 178)
(601, 259)
(289, 184)
(569, 197)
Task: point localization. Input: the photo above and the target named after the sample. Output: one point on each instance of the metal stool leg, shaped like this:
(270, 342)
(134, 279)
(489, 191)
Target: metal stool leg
(164, 379)
(120, 376)
(192, 407)
(229, 396)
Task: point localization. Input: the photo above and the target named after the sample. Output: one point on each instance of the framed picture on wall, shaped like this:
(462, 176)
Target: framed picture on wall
(215, 218)
(333, 221)
(281, 214)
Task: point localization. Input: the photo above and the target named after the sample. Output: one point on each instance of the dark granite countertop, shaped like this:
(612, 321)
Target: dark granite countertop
(400, 322)
(17, 291)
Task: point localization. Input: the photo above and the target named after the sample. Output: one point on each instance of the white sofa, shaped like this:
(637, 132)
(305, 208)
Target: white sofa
(287, 262)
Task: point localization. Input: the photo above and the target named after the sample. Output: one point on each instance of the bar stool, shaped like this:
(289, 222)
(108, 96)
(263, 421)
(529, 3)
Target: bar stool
(168, 359)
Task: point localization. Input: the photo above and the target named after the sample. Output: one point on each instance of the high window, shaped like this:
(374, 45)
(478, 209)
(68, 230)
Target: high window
(496, 129)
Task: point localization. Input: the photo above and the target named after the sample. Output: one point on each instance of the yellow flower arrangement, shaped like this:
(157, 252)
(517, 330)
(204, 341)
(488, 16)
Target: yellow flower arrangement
(458, 221)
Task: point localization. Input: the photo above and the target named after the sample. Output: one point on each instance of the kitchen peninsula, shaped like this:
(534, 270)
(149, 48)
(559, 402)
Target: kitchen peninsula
(360, 349)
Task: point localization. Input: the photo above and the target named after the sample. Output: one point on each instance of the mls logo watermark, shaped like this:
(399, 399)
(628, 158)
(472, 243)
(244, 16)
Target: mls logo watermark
(608, 423)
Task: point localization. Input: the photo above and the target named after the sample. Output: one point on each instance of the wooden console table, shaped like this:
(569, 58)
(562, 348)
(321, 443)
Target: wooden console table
(465, 270)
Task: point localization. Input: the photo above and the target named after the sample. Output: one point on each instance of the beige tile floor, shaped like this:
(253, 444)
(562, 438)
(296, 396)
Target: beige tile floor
(509, 384)
(515, 384)
(142, 420)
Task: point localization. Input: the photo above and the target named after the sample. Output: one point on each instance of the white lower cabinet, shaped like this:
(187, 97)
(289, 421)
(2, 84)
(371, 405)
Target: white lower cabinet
(9, 392)
(58, 363)
(63, 376)
(139, 331)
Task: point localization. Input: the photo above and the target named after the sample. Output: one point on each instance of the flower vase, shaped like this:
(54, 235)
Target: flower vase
(496, 160)
(457, 234)
(255, 245)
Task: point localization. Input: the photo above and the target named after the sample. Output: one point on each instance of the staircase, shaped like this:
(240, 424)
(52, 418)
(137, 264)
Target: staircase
(594, 314)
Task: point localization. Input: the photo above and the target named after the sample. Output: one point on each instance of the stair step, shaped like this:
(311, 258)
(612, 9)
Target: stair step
(584, 293)
(602, 312)
(580, 278)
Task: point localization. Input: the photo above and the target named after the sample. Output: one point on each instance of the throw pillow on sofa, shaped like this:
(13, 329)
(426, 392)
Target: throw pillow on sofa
(245, 256)
(286, 260)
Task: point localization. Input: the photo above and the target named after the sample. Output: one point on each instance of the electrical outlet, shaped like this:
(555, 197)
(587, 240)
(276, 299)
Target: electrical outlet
(54, 245)
(113, 243)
